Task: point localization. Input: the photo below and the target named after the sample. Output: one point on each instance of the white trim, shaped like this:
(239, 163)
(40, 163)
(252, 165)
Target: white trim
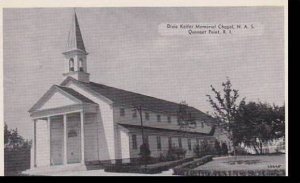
(82, 135)
(57, 114)
(65, 161)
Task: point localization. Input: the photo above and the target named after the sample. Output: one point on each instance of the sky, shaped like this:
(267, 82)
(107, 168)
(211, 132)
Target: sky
(127, 51)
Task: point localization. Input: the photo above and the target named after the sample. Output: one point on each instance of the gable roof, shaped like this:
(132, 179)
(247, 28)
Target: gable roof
(64, 90)
(75, 94)
(127, 98)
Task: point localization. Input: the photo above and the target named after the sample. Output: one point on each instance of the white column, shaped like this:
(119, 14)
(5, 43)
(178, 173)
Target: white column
(82, 136)
(65, 139)
(49, 138)
(34, 142)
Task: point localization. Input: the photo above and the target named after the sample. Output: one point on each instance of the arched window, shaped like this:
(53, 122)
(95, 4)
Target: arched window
(80, 65)
(71, 64)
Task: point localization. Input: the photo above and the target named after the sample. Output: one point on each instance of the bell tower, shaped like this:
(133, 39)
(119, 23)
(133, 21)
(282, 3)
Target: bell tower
(75, 54)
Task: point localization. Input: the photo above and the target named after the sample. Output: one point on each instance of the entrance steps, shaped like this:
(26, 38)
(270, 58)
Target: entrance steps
(48, 170)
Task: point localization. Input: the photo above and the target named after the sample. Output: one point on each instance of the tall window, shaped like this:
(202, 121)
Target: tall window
(179, 142)
(134, 142)
(146, 139)
(80, 64)
(197, 142)
(158, 142)
(202, 125)
(122, 112)
(134, 114)
(189, 144)
(147, 117)
(158, 118)
(170, 142)
(71, 64)
(169, 119)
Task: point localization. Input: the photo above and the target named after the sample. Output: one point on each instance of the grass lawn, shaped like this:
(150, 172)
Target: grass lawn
(250, 162)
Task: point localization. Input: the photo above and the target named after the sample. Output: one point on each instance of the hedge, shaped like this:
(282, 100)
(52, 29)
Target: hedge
(150, 169)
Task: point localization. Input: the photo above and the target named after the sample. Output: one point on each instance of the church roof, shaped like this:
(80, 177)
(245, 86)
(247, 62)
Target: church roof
(75, 41)
(75, 94)
(127, 98)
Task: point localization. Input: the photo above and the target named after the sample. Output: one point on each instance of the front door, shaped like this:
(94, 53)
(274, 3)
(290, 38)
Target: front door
(56, 140)
(73, 138)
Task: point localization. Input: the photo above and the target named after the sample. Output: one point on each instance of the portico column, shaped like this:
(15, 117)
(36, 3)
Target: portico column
(34, 142)
(65, 139)
(49, 138)
(82, 136)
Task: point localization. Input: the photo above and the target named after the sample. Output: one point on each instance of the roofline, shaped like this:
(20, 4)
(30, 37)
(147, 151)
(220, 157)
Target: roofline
(47, 95)
(77, 83)
(172, 130)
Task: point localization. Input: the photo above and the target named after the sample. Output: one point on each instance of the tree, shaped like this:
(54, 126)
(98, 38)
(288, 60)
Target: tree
(224, 149)
(16, 152)
(225, 105)
(217, 148)
(145, 152)
(14, 141)
(259, 123)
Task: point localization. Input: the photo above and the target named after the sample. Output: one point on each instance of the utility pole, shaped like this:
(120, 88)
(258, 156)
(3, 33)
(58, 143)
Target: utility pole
(139, 109)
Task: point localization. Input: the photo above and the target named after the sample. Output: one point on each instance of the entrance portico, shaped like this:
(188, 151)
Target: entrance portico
(59, 137)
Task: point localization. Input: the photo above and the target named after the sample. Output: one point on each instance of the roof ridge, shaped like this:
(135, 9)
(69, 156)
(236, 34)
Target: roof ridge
(135, 93)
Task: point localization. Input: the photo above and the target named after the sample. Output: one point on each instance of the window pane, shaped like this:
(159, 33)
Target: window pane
(179, 142)
(169, 119)
(122, 112)
(170, 142)
(147, 116)
(189, 144)
(158, 142)
(134, 114)
(134, 142)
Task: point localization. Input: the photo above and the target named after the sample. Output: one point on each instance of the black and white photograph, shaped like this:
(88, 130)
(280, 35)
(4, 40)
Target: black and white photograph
(145, 91)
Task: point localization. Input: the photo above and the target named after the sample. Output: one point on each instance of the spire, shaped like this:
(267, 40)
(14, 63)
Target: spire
(75, 41)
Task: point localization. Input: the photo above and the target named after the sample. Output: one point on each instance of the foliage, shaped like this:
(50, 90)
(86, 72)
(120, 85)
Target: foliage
(203, 149)
(224, 149)
(16, 152)
(145, 152)
(259, 123)
(225, 108)
(13, 141)
(176, 153)
(217, 148)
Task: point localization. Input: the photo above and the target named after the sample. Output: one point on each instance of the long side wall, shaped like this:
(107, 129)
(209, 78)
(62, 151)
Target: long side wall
(155, 152)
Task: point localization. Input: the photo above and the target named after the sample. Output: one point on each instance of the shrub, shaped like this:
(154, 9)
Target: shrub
(224, 149)
(175, 153)
(217, 148)
(145, 152)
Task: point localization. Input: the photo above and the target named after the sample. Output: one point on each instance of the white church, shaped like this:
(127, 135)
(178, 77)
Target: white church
(79, 122)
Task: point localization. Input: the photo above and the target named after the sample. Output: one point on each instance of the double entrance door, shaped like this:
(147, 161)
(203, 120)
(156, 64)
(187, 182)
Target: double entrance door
(73, 140)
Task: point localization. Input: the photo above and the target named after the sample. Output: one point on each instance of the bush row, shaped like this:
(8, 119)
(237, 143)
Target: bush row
(195, 163)
(150, 169)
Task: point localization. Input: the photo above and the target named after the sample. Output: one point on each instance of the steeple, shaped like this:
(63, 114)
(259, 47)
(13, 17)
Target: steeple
(75, 54)
(75, 40)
